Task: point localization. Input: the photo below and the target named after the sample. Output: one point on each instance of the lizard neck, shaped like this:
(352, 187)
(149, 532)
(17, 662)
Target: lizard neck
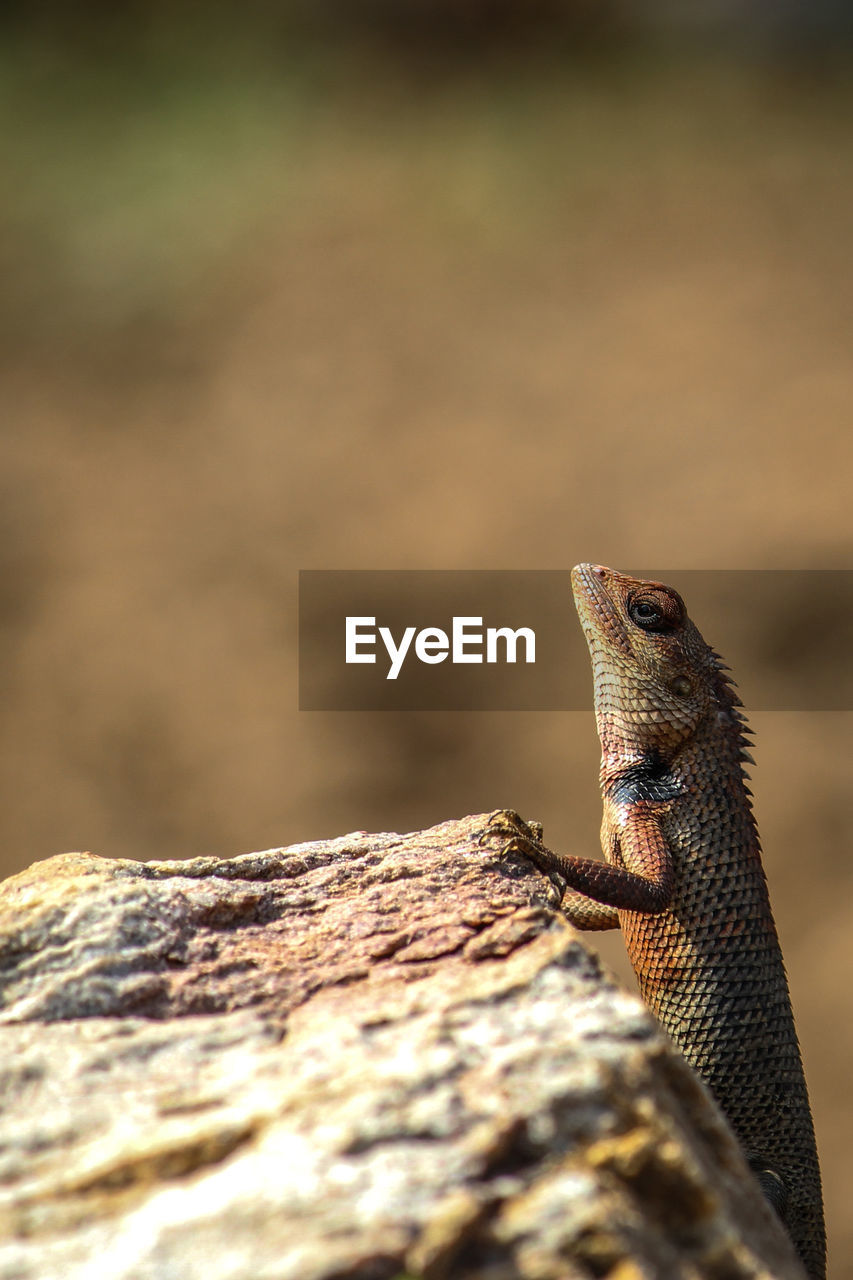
(703, 773)
(645, 731)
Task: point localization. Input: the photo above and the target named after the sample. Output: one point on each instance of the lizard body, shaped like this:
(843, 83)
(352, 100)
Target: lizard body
(683, 879)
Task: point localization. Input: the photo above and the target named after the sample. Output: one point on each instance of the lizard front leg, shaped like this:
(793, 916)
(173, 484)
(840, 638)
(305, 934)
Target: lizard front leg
(579, 909)
(643, 880)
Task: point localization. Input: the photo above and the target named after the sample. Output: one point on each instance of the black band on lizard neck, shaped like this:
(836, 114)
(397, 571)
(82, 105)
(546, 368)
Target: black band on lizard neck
(649, 779)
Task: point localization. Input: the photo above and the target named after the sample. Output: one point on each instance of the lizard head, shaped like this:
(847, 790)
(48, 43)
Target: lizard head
(655, 677)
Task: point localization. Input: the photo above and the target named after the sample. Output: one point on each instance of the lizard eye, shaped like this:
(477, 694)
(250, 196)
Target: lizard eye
(656, 611)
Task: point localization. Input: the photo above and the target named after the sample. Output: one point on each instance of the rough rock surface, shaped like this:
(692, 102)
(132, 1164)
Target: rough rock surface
(376, 1056)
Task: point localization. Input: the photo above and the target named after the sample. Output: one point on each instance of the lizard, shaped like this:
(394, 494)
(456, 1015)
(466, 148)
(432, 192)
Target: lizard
(683, 879)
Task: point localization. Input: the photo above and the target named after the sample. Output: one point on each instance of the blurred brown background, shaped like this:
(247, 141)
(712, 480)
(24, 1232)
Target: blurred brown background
(423, 284)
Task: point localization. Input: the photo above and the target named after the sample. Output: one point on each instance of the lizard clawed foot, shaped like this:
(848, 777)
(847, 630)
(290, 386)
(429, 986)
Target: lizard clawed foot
(525, 838)
(506, 822)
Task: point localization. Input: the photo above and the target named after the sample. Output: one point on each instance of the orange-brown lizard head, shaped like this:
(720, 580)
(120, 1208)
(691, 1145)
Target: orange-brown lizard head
(655, 677)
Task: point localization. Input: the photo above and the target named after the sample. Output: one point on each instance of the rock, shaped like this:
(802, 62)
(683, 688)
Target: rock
(374, 1057)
